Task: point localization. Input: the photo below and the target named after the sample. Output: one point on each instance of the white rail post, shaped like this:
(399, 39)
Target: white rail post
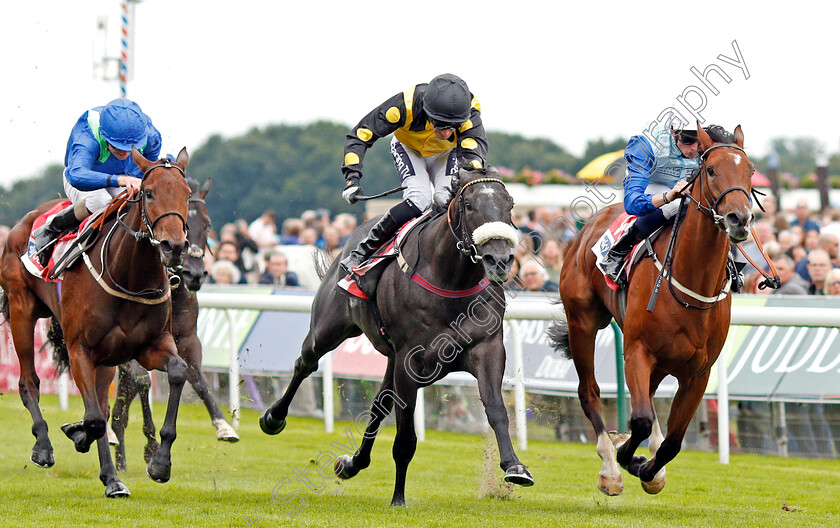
(233, 371)
(518, 388)
(420, 416)
(329, 414)
(723, 406)
(63, 390)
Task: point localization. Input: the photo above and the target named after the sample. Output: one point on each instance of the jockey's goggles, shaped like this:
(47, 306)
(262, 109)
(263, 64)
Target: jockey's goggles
(441, 125)
(687, 140)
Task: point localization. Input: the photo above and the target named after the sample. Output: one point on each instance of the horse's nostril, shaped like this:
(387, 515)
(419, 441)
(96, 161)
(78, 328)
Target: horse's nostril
(735, 219)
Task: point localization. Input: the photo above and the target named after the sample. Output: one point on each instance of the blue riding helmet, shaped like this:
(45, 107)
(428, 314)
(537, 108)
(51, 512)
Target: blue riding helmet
(122, 124)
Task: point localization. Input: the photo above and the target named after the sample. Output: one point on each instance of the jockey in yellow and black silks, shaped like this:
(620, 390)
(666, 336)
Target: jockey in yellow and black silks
(436, 130)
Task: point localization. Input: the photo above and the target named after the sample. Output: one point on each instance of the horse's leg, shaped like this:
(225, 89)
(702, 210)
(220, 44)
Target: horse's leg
(92, 426)
(190, 350)
(107, 472)
(166, 358)
(489, 372)
(685, 404)
(405, 443)
(126, 391)
(638, 371)
(582, 346)
(143, 382)
(656, 436)
(348, 467)
(23, 334)
(325, 333)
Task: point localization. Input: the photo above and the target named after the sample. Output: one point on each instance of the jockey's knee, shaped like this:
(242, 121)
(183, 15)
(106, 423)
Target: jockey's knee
(421, 198)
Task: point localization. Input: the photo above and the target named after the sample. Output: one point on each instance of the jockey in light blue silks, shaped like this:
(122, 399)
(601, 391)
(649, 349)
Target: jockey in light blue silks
(98, 163)
(657, 169)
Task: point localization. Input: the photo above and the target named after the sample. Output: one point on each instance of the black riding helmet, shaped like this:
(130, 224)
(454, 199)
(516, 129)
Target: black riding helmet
(447, 101)
(716, 132)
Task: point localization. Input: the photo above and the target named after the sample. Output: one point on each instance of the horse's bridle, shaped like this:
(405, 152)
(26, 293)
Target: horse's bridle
(464, 242)
(147, 232)
(706, 193)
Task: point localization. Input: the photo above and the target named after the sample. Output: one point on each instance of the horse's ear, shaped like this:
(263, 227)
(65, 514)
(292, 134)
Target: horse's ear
(141, 161)
(703, 136)
(205, 188)
(739, 136)
(183, 159)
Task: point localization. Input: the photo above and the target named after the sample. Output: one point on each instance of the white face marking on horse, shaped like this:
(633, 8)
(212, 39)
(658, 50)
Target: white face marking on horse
(488, 191)
(736, 158)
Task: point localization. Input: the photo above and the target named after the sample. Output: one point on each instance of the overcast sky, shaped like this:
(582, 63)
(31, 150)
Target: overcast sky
(567, 71)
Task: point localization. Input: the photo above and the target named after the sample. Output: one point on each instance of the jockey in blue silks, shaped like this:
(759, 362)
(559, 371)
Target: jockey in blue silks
(98, 163)
(657, 169)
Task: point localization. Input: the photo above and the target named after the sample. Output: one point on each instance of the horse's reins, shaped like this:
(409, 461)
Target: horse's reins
(711, 211)
(149, 295)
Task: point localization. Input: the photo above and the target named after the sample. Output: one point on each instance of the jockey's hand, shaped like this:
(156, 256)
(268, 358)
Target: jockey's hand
(131, 184)
(677, 191)
(353, 187)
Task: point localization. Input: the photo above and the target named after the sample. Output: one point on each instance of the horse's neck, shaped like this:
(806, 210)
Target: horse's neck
(700, 253)
(135, 264)
(440, 260)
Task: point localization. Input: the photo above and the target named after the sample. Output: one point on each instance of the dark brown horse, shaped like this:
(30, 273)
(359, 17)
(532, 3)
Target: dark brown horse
(682, 336)
(447, 318)
(134, 379)
(113, 308)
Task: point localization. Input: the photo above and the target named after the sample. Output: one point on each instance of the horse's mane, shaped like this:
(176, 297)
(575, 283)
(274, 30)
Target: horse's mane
(463, 177)
(719, 134)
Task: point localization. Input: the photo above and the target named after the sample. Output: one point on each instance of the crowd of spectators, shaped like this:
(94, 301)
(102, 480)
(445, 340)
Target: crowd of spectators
(803, 245)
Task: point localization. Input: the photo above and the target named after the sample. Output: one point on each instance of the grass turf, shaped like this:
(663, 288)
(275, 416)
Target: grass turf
(255, 482)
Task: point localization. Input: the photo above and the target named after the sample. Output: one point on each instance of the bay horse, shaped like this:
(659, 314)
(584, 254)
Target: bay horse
(682, 336)
(440, 310)
(112, 309)
(134, 379)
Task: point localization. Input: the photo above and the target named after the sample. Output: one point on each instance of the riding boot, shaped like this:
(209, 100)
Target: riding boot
(614, 259)
(51, 230)
(379, 234)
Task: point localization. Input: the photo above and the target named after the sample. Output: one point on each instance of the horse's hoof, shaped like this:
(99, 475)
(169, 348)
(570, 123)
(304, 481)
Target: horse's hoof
(519, 475)
(655, 486)
(158, 472)
(344, 467)
(116, 489)
(112, 436)
(224, 432)
(618, 439)
(398, 502)
(76, 433)
(150, 450)
(610, 486)
(269, 425)
(42, 458)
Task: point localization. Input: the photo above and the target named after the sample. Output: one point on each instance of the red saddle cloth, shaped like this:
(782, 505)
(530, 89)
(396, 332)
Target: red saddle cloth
(617, 229)
(384, 254)
(30, 259)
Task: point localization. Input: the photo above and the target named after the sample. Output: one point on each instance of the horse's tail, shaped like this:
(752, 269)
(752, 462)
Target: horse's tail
(558, 335)
(60, 354)
(322, 261)
(4, 304)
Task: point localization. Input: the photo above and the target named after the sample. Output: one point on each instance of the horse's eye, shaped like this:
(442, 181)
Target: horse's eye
(148, 194)
(710, 171)
(468, 205)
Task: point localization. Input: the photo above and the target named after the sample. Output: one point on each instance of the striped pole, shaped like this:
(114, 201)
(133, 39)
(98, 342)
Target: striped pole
(124, 48)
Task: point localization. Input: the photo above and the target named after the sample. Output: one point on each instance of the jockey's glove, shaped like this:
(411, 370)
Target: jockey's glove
(353, 187)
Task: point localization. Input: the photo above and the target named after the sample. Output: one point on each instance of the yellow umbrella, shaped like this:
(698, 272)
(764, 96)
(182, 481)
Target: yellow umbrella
(605, 167)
